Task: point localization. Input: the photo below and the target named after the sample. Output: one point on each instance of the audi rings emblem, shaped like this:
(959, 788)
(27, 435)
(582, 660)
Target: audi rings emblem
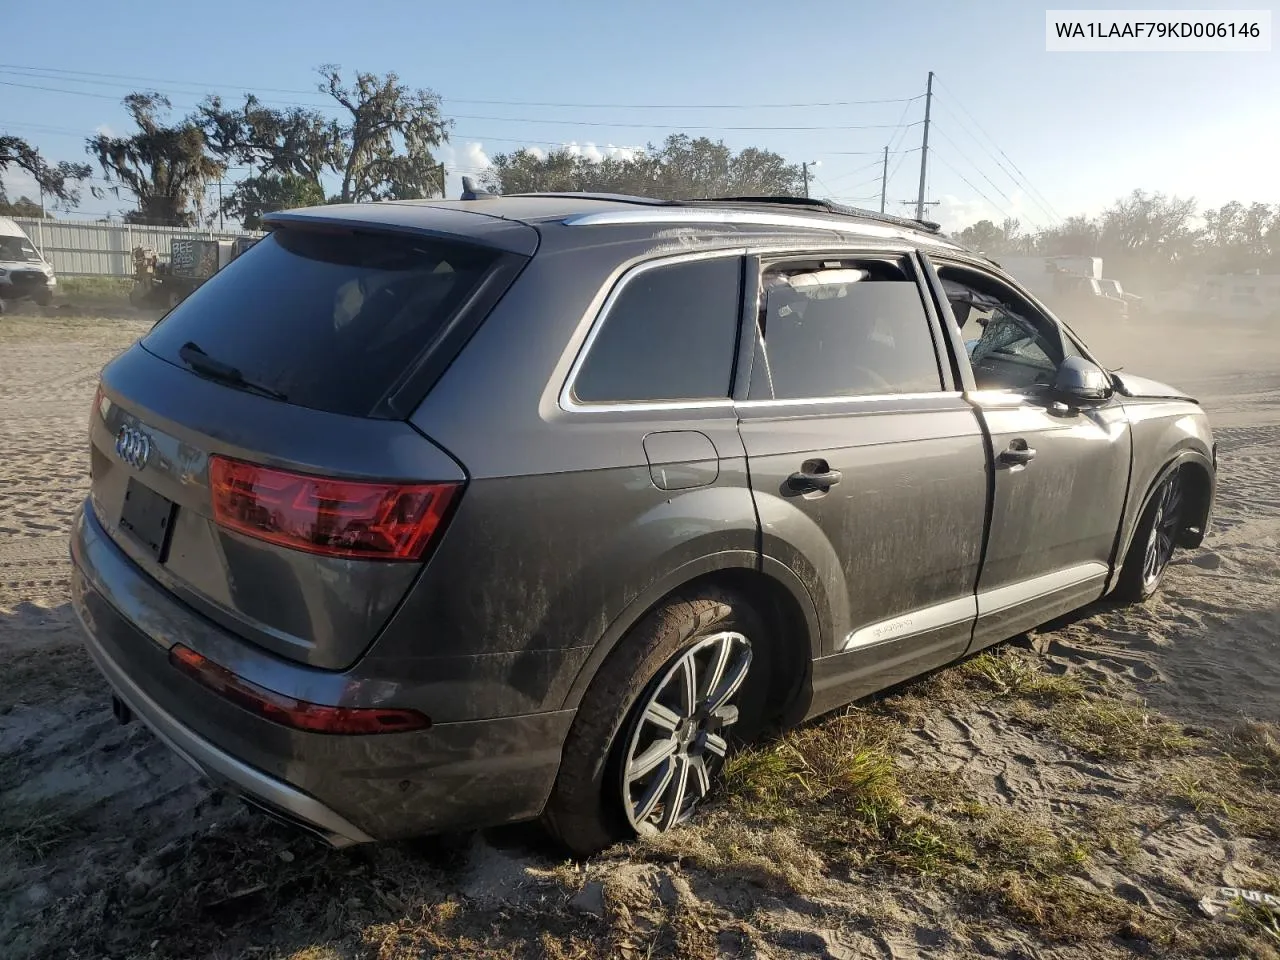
(133, 446)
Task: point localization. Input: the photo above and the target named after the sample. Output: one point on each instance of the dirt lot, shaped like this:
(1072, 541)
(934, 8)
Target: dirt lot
(1070, 794)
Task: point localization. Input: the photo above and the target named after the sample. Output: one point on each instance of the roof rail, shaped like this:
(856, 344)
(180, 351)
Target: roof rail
(829, 206)
(587, 195)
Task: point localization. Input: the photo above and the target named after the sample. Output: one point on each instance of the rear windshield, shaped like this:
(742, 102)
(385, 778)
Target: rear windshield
(329, 320)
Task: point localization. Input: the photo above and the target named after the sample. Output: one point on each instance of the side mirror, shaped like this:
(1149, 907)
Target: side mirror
(1080, 380)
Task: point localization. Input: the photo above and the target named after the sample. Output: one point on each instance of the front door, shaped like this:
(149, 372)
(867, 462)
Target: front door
(1061, 471)
(868, 469)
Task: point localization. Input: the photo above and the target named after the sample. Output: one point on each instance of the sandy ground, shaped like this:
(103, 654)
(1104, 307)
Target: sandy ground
(1073, 794)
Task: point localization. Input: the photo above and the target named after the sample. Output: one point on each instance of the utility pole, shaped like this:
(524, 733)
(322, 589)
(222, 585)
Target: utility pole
(443, 195)
(884, 177)
(804, 169)
(924, 147)
(220, 223)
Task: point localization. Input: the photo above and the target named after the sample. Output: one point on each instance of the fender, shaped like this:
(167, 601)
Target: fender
(1129, 522)
(744, 560)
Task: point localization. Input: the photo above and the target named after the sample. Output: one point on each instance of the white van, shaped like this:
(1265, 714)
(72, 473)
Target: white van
(24, 273)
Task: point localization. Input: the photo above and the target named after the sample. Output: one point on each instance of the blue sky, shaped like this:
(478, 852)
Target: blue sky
(1079, 129)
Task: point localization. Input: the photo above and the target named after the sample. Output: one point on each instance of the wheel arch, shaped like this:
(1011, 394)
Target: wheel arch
(1202, 471)
(775, 592)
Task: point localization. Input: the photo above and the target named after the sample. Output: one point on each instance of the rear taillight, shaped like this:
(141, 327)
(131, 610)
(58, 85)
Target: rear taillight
(336, 518)
(299, 714)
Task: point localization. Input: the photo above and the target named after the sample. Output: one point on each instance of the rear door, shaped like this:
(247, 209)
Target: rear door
(1061, 471)
(868, 468)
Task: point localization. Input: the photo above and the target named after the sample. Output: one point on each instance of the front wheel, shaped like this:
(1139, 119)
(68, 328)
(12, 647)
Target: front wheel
(657, 721)
(1153, 541)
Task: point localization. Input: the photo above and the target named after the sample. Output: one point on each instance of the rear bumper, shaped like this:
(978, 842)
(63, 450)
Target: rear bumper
(222, 768)
(347, 789)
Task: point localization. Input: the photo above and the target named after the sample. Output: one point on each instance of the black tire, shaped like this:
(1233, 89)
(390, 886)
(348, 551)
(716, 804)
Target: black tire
(585, 811)
(1140, 578)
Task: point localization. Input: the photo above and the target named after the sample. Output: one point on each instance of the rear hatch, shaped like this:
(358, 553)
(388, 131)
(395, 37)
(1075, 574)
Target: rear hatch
(251, 452)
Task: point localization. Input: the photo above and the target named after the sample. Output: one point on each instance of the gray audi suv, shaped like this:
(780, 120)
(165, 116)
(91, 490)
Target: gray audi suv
(432, 515)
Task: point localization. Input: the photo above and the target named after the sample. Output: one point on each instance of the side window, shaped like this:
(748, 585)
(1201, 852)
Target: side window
(1012, 346)
(842, 328)
(670, 335)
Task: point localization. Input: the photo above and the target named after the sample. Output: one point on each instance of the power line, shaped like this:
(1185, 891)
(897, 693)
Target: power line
(896, 143)
(995, 205)
(542, 120)
(1019, 184)
(1025, 181)
(59, 73)
(980, 171)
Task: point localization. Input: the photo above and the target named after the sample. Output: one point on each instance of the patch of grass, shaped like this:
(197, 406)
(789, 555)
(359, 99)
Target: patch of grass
(1259, 920)
(846, 757)
(1256, 747)
(1200, 796)
(1019, 842)
(1012, 673)
(97, 288)
(1225, 788)
(775, 858)
(1061, 908)
(30, 832)
(1112, 730)
(1111, 828)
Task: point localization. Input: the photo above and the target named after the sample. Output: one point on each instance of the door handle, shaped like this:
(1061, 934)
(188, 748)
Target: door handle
(1018, 454)
(813, 479)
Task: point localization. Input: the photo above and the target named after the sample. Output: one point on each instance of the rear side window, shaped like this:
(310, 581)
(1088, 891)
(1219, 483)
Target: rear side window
(842, 329)
(670, 335)
(331, 321)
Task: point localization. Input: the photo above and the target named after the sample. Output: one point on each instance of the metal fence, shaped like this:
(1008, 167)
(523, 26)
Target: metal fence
(105, 249)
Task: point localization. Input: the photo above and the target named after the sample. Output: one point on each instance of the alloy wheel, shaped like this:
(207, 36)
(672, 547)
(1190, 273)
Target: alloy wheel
(681, 735)
(1164, 531)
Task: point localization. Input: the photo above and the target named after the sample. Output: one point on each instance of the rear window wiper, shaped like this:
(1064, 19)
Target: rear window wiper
(193, 355)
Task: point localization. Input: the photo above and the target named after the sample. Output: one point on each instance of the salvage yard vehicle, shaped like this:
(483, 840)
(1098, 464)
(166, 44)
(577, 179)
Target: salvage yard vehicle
(192, 261)
(535, 506)
(24, 273)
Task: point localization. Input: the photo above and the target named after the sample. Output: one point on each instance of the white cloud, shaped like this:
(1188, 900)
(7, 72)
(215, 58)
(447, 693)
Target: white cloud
(595, 153)
(104, 130)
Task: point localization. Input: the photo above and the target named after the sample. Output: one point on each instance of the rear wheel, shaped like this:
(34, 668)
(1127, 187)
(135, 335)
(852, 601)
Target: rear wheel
(1154, 541)
(654, 727)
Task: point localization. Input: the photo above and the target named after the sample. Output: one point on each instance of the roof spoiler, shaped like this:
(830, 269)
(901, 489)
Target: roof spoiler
(471, 192)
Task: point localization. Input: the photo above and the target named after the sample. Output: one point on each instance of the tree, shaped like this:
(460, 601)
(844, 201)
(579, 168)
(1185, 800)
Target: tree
(165, 167)
(1238, 238)
(1074, 237)
(383, 149)
(257, 196)
(22, 207)
(300, 141)
(682, 168)
(986, 237)
(61, 181)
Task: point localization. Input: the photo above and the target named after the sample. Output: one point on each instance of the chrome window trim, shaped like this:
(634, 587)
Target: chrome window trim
(810, 221)
(864, 398)
(571, 404)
